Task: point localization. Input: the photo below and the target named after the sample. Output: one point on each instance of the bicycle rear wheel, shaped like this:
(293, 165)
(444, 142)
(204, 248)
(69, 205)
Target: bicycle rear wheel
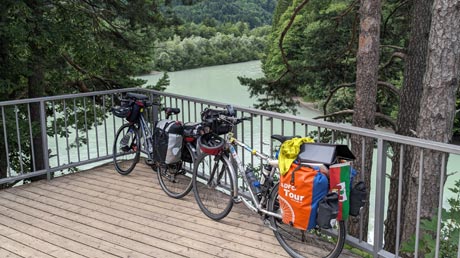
(306, 243)
(126, 149)
(213, 185)
(176, 179)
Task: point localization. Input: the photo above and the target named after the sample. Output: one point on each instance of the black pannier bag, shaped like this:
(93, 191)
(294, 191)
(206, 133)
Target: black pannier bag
(217, 126)
(328, 208)
(357, 198)
(168, 138)
(191, 132)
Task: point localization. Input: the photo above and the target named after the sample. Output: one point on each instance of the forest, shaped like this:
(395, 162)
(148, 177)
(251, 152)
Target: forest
(389, 64)
(213, 32)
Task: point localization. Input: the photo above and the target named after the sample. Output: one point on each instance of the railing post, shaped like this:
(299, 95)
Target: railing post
(379, 196)
(44, 140)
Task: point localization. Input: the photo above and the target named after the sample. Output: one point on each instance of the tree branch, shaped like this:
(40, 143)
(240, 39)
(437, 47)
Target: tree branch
(400, 49)
(286, 29)
(338, 113)
(390, 87)
(391, 14)
(347, 10)
(104, 81)
(349, 112)
(332, 92)
(399, 55)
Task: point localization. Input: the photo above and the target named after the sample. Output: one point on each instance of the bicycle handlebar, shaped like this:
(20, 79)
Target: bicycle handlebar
(234, 120)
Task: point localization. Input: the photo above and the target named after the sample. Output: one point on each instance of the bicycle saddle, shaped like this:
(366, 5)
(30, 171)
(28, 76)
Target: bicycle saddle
(137, 96)
(282, 138)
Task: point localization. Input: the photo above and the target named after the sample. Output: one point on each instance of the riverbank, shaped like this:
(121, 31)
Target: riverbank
(309, 105)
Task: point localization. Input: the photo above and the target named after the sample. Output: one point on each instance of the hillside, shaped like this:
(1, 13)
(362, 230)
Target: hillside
(254, 12)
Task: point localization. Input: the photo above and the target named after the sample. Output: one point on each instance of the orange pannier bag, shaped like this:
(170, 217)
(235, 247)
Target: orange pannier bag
(300, 191)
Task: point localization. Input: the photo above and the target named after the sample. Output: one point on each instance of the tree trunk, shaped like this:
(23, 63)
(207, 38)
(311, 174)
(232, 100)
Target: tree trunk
(436, 117)
(4, 49)
(409, 107)
(36, 83)
(366, 91)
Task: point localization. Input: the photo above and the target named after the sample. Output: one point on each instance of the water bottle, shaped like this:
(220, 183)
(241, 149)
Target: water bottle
(266, 170)
(254, 184)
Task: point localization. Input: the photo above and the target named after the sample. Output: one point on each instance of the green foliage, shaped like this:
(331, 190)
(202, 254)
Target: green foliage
(63, 47)
(456, 129)
(196, 51)
(78, 46)
(256, 13)
(213, 33)
(320, 49)
(316, 48)
(162, 83)
(450, 230)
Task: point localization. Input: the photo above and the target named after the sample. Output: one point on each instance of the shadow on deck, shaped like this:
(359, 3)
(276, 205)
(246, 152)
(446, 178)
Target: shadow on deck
(99, 213)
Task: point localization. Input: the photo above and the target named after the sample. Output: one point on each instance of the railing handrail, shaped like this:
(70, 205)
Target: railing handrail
(391, 137)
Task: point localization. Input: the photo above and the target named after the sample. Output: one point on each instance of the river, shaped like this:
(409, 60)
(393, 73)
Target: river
(219, 83)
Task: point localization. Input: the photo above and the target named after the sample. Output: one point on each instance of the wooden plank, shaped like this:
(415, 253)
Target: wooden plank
(21, 249)
(193, 213)
(126, 216)
(7, 254)
(251, 220)
(34, 237)
(147, 226)
(59, 217)
(240, 216)
(175, 228)
(109, 224)
(68, 233)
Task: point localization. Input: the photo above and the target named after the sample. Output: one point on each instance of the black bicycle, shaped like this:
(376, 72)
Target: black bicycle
(170, 147)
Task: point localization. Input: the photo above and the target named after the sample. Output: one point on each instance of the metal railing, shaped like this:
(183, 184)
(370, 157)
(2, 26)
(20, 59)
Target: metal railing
(77, 131)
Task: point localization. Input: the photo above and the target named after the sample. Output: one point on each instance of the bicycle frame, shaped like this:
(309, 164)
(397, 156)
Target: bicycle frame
(146, 135)
(256, 203)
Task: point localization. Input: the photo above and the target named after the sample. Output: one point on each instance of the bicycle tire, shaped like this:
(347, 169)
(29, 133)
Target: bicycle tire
(125, 157)
(306, 243)
(176, 179)
(214, 197)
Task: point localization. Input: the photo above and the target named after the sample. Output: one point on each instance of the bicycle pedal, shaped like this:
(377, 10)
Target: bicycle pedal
(149, 162)
(237, 199)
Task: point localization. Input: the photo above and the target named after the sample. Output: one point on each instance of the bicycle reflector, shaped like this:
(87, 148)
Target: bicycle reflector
(211, 143)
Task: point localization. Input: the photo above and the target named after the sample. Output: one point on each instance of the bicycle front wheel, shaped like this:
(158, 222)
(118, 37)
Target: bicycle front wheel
(126, 149)
(213, 185)
(306, 243)
(176, 179)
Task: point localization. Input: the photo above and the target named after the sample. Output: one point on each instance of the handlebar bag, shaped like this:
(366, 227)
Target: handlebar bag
(210, 116)
(136, 108)
(300, 191)
(168, 141)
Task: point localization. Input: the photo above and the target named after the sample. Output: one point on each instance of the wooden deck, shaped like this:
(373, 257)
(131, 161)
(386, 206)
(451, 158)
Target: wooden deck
(99, 213)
